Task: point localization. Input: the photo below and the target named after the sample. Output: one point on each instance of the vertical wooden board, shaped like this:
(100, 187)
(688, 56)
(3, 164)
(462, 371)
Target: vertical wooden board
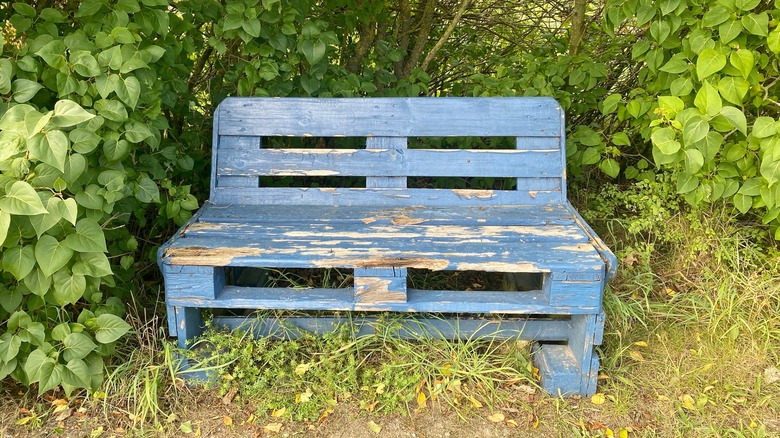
(398, 143)
(582, 337)
(533, 185)
(171, 314)
(373, 291)
(189, 325)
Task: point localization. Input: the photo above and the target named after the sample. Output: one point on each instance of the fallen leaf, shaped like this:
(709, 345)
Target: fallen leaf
(598, 399)
(251, 419)
(63, 415)
(374, 427)
(22, 421)
(637, 356)
(380, 389)
(272, 428)
(475, 402)
(688, 402)
(278, 412)
(609, 434)
(623, 433)
(421, 400)
(496, 418)
(304, 396)
(640, 343)
(59, 402)
(771, 375)
(227, 420)
(301, 368)
(511, 423)
(370, 406)
(96, 433)
(231, 394)
(186, 427)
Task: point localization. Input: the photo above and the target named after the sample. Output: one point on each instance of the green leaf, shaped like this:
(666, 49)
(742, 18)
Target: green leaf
(764, 127)
(746, 5)
(111, 109)
(770, 169)
(686, 183)
(32, 367)
(44, 222)
(76, 373)
(24, 90)
(736, 117)
(25, 9)
(743, 60)
(109, 328)
(19, 261)
(591, 155)
(136, 132)
(729, 30)
(50, 376)
(694, 160)
(84, 141)
(773, 41)
(313, 50)
(715, 16)
(707, 100)
(53, 53)
(665, 140)
(35, 121)
(21, 199)
(6, 72)
(670, 105)
(619, 139)
(147, 190)
(733, 89)
(5, 222)
(88, 237)
(75, 165)
(610, 167)
(51, 254)
(116, 150)
(681, 87)
(743, 202)
(252, 26)
(111, 58)
(709, 62)
(85, 64)
(751, 187)
(92, 264)
(37, 282)
(68, 209)
(695, 129)
(90, 198)
(51, 148)
(77, 346)
(68, 113)
(9, 347)
(757, 24)
(68, 288)
(129, 90)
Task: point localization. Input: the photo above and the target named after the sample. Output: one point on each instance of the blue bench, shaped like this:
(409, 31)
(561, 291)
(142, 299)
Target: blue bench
(383, 230)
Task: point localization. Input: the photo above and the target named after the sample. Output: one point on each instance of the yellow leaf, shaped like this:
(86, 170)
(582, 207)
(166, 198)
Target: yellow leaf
(598, 399)
(640, 344)
(301, 368)
(374, 427)
(22, 421)
(688, 402)
(447, 370)
(186, 427)
(511, 423)
(278, 412)
(670, 292)
(59, 402)
(272, 428)
(60, 408)
(251, 419)
(227, 420)
(421, 400)
(637, 356)
(380, 389)
(304, 396)
(609, 433)
(623, 433)
(496, 418)
(475, 402)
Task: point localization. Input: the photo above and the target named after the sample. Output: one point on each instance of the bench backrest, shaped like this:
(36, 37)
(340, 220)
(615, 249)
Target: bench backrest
(538, 162)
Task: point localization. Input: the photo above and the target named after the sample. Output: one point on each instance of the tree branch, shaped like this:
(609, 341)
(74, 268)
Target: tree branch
(461, 10)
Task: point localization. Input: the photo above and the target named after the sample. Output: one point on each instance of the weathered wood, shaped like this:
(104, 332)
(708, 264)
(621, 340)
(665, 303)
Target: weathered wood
(391, 117)
(500, 302)
(385, 228)
(390, 162)
(407, 328)
(381, 196)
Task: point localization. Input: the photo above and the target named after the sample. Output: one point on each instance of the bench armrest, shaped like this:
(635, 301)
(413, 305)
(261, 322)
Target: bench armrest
(609, 257)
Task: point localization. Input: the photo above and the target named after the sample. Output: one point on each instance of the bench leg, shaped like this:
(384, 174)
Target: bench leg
(572, 369)
(189, 325)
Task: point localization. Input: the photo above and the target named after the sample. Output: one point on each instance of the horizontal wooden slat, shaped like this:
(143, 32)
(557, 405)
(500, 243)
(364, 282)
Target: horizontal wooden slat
(434, 254)
(460, 215)
(403, 328)
(380, 197)
(234, 297)
(367, 117)
(373, 234)
(390, 162)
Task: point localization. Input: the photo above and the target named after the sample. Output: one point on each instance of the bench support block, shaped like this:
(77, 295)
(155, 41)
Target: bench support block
(571, 369)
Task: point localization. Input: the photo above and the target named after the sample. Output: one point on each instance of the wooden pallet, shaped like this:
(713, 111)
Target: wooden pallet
(384, 229)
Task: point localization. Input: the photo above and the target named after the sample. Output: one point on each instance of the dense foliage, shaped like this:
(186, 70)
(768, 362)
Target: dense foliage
(105, 120)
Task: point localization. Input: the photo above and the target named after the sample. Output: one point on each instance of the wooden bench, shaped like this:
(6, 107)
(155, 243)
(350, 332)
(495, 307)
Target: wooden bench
(383, 230)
